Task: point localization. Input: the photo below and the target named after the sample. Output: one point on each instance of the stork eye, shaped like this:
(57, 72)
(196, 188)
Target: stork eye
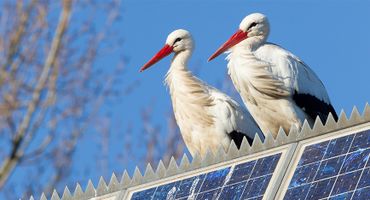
(177, 40)
(252, 25)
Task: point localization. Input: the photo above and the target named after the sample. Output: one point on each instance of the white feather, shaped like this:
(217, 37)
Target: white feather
(230, 116)
(289, 69)
(267, 76)
(204, 115)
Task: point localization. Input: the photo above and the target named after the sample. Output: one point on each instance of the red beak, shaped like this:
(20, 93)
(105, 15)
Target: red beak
(233, 40)
(165, 51)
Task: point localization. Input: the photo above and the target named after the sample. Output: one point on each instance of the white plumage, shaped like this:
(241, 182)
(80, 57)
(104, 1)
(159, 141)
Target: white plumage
(207, 118)
(276, 86)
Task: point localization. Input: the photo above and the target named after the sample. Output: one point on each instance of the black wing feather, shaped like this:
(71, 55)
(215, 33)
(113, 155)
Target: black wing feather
(314, 107)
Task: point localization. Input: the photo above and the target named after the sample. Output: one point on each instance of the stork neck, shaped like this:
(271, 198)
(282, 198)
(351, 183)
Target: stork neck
(179, 68)
(252, 43)
(189, 96)
(178, 76)
(180, 60)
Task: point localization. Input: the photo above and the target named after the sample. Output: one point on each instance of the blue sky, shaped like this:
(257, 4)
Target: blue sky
(331, 36)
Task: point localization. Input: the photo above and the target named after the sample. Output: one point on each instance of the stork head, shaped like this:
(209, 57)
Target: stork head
(252, 26)
(177, 41)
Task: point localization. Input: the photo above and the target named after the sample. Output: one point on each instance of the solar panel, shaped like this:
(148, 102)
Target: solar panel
(334, 169)
(247, 180)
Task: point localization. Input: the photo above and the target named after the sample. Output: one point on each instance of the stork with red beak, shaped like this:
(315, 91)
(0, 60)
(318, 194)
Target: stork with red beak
(207, 118)
(277, 87)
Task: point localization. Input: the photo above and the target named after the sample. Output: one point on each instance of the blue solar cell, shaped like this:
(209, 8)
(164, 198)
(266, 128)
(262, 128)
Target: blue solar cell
(265, 166)
(189, 186)
(362, 194)
(146, 194)
(214, 179)
(209, 195)
(346, 182)
(313, 153)
(329, 167)
(304, 174)
(343, 196)
(365, 179)
(338, 146)
(339, 169)
(297, 192)
(241, 172)
(355, 160)
(165, 191)
(361, 141)
(320, 189)
(233, 192)
(256, 187)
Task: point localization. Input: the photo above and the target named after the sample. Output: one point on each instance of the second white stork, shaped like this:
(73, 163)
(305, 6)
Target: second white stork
(207, 118)
(277, 87)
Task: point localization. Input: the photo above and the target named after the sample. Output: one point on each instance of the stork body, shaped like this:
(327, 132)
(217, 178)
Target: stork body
(207, 118)
(276, 86)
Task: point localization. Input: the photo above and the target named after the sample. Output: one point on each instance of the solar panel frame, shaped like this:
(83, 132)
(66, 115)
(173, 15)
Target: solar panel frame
(301, 146)
(273, 185)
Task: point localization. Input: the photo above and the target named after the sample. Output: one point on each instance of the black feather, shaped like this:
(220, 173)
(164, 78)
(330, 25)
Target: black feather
(314, 107)
(237, 137)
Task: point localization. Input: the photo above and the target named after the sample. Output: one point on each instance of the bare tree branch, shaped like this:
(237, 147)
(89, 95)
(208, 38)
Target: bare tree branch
(17, 152)
(16, 40)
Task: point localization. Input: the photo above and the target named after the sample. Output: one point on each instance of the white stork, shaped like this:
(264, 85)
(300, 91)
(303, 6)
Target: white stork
(207, 118)
(277, 87)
